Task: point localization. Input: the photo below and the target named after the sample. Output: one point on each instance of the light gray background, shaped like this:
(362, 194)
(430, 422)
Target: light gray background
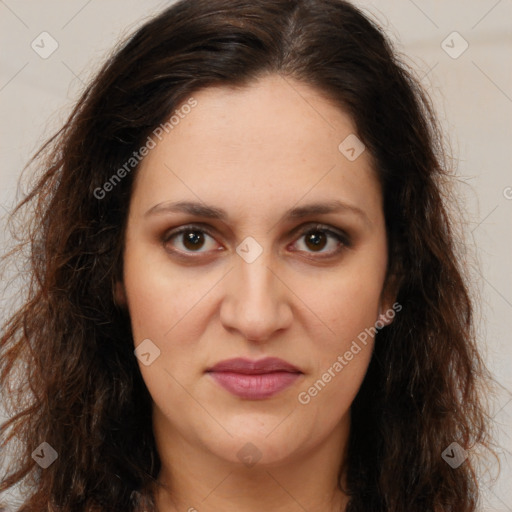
(472, 93)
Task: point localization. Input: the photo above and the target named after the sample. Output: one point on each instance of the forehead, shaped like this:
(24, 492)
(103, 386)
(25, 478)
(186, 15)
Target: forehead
(258, 148)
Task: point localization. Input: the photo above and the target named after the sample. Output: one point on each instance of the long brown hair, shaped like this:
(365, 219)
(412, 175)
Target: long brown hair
(82, 391)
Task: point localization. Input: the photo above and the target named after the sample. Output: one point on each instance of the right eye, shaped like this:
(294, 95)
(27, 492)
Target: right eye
(192, 238)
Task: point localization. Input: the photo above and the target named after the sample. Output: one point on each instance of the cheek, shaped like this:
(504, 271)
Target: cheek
(327, 398)
(340, 356)
(347, 303)
(157, 298)
(164, 307)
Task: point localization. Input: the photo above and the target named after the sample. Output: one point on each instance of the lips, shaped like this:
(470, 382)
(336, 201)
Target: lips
(249, 367)
(254, 380)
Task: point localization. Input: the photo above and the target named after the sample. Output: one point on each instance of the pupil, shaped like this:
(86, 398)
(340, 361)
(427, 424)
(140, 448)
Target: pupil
(192, 238)
(316, 235)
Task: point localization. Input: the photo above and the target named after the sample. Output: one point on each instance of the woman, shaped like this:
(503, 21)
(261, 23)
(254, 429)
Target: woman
(317, 353)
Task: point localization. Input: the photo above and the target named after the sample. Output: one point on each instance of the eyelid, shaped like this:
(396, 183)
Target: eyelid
(318, 226)
(188, 227)
(301, 230)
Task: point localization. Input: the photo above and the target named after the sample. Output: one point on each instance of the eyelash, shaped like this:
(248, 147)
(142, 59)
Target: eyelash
(342, 238)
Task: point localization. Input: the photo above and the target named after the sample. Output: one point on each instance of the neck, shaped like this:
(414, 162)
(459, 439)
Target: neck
(195, 480)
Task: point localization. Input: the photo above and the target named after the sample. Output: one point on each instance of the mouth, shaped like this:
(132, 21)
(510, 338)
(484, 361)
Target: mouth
(254, 380)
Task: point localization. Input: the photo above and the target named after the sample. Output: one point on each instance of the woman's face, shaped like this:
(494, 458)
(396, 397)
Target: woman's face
(253, 276)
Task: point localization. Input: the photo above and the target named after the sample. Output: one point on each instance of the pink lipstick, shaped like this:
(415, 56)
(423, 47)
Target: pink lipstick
(254, 380)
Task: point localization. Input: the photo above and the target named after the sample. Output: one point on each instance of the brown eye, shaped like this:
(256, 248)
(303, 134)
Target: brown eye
(318, 238)
(191, 239)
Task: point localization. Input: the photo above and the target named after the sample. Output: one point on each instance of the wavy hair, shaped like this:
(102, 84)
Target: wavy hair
(81, 390)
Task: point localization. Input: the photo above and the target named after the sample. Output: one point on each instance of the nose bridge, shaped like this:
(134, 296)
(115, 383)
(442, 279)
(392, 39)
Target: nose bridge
(255, 299)
(256, 280)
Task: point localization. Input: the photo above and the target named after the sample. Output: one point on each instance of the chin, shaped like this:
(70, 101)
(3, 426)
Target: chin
(253, 446)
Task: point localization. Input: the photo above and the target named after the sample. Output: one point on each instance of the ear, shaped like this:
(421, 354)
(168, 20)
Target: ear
(388, 307)
(119, 294)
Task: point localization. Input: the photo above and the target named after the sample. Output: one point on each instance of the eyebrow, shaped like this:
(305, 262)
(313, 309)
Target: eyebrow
(298, 212)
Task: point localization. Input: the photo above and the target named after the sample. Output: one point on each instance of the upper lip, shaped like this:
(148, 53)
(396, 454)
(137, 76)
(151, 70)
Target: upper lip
(252, 367)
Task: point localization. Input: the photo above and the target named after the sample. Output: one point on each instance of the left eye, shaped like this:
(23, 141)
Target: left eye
(316, 238)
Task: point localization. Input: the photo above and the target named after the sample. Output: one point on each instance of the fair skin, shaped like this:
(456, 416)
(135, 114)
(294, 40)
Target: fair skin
(255, 152)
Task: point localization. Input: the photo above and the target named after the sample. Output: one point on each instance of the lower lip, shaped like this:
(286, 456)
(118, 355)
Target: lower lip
(255, 387)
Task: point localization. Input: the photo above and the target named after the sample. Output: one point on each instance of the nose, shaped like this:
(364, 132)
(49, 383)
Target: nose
(256, 303)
